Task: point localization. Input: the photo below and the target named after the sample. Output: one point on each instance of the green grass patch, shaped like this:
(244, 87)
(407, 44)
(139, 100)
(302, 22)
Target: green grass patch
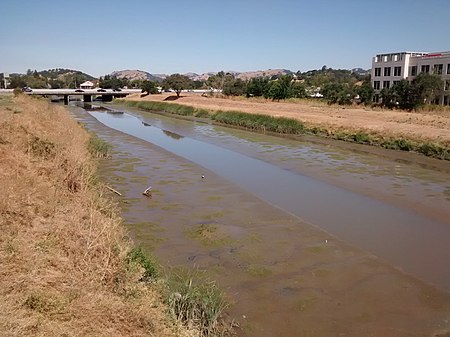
(173, 108)
(137, 257)
(196, 301)
(258, 271)
(259, 122)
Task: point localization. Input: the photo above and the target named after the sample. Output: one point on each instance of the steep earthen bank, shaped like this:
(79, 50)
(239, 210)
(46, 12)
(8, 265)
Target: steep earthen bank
(64, 262)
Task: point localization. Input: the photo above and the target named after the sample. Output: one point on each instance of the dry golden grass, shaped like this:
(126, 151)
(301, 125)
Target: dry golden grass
(63, 269)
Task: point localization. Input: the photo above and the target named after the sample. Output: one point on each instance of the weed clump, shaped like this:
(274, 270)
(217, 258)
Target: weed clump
(98, 148)
(196, 301)
(41, 148)
(136, 256)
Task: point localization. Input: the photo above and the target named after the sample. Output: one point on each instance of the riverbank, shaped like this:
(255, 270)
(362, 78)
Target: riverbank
(285, 275)
(66, 265)
(425, 132)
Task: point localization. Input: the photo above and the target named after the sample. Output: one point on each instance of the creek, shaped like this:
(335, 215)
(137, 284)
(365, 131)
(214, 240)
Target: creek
(360, 203)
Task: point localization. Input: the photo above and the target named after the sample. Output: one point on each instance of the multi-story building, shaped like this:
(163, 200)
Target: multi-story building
(389, 69)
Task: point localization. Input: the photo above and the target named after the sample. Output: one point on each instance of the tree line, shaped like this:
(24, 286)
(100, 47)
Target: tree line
(52, 78)
(335, 86)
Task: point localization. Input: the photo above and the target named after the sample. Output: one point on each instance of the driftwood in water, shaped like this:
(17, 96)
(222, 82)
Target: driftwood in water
(113, 190)
(148, 192)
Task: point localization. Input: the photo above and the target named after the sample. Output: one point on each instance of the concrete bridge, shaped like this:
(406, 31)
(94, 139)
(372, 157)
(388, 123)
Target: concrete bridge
(106, 94)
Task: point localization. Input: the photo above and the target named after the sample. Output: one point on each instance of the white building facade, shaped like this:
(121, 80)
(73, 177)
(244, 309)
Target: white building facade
(389, 69)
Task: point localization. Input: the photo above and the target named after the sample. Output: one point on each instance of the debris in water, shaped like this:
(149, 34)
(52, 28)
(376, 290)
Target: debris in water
(148, 192)
(203, 177)
(113, 190)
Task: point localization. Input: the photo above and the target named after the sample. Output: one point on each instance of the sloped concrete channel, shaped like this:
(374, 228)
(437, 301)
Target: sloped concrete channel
(286, 227)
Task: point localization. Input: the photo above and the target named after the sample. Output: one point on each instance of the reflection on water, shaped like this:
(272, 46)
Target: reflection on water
(417, 244)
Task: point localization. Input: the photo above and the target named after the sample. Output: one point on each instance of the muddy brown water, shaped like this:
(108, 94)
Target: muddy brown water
(284, 227)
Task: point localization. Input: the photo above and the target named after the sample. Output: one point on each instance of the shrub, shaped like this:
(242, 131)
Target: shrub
(148, 263)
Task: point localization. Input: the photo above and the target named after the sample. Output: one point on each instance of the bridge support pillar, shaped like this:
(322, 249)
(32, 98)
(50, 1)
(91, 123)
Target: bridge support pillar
(66, 99)
(87, 98)
(107, 98)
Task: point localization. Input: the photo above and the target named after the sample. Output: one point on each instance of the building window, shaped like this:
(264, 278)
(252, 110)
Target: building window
(437, 69)
(448, 69)
(387, 71)
(397, 71)
(386, 84)
(414, 71)
(394, 83)
(425, 68)
(376, 85)
(377, 72)
(447, 85)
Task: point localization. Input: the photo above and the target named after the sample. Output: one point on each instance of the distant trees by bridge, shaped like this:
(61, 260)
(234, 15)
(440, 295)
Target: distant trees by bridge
(335, 86)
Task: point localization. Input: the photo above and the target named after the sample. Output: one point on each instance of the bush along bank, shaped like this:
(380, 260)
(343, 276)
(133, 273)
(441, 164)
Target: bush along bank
(67, 266)
(290, 126)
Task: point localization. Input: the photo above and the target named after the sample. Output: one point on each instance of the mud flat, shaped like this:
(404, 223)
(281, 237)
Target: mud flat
(285, 277)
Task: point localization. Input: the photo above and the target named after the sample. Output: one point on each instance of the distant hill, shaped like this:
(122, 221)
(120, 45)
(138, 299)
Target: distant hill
(263, 73)
(242, 75)
(59, 73)
(247, 75)
(137, 75)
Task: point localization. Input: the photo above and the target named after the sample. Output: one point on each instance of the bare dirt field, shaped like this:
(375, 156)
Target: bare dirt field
(417, 125)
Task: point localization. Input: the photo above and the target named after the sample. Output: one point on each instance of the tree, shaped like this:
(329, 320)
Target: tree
(340, 93)
(17, 81)
(405, 95)
(280, 88)
(112, 82)
(177, 82)
(365, 92)
(426, 87)
(331, 92)
(56, 84)
(389, 97)
(234, 87)
(257, 87)
(149, 87)
(297, 90)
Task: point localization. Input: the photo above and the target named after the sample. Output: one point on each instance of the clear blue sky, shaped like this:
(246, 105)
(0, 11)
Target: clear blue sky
(100, 36)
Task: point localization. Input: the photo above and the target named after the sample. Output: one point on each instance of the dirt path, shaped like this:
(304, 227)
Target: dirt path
(430, 125)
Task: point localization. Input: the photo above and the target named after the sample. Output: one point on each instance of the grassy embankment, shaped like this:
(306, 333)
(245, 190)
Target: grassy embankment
(289, 126)
(66, 267)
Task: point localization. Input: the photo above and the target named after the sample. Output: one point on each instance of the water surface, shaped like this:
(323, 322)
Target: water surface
(413, 242)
